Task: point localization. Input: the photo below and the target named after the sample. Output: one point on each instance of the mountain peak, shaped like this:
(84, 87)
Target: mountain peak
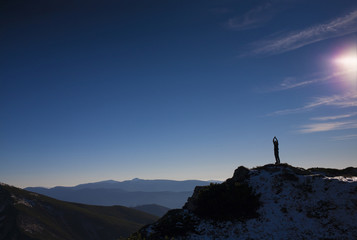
(136, 179)
(267, 202)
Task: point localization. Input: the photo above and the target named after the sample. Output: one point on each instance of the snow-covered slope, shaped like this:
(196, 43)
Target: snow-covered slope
(294, 204)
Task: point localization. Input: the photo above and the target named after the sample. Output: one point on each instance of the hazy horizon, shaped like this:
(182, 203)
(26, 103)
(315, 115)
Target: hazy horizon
(93, 90)
(76, 184)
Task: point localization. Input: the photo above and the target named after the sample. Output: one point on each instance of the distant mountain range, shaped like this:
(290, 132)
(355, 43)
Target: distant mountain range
(143, 185)
(30, 216)
(130, 193)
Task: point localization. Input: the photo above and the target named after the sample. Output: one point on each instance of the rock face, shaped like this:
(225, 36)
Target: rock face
(240, 174)
(237, 182)
(191, 201)
(283, 202)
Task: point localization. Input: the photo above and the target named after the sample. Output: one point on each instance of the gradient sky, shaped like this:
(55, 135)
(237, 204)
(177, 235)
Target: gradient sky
(174, 89)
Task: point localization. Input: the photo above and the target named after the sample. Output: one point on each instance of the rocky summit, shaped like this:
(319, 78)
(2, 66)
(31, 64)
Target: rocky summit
(269, 202)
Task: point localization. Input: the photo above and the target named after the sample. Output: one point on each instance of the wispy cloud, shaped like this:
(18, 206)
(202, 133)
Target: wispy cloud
(340, 101)
(330, 126)
(254, 18)
(345, 100)
(327, 123)
(328, 118)
(294, 82)
(338, 27)
(345, 137)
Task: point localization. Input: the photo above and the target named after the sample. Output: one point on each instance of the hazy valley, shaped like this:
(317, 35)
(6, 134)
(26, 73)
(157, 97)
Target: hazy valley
(131, 193)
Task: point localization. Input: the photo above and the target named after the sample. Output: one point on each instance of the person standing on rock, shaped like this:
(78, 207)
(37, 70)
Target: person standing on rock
(276, 150)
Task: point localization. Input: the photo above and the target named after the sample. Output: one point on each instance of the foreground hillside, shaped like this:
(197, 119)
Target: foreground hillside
(26, 215)
(153, 209)
(269, 202)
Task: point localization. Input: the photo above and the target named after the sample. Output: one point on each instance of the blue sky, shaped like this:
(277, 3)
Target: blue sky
(96, 90)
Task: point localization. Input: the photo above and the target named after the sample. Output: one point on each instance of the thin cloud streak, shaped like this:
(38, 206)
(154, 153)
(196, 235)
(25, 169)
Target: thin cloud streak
(328, 118)
(330, 126)
(340, 101)
(290, 82)
(252, 19)
(338, 27)
(345, 137)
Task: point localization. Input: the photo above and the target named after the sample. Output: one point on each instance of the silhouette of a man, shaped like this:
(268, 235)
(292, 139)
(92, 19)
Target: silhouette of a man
(276, 150)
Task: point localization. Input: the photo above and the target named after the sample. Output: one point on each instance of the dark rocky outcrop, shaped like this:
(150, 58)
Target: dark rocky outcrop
(241, 174)
(225, 200)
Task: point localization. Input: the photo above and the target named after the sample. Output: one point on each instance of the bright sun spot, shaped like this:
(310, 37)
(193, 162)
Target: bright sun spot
(347, 62)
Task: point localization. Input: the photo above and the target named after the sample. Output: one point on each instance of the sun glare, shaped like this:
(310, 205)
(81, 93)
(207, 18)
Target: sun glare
(347, 62)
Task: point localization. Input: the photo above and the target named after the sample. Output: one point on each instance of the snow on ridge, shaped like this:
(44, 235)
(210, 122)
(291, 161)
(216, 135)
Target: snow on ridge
(344, 179)
(294, 206)
(23, 201)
